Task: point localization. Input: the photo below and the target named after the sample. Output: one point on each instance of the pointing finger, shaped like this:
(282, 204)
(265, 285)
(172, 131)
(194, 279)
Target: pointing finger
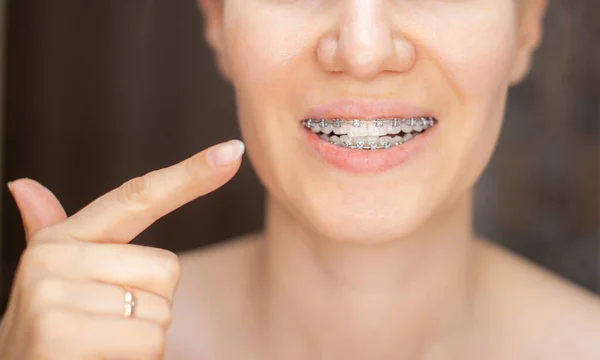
(122, 214)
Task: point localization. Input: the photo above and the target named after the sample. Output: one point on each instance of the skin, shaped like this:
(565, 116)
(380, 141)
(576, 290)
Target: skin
(332, 276)
(69, 291)
(383, 265)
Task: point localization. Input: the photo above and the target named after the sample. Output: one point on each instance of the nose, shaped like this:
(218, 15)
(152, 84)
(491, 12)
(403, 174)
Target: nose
(365, 43)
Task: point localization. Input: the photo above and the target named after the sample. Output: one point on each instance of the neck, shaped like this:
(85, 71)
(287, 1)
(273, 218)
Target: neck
(331, 298)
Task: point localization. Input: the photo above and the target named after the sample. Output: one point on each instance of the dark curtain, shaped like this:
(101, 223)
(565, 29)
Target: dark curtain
(100, 91)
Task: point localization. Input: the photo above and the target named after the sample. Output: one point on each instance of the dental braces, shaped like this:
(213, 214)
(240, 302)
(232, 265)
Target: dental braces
(366, 144)
(425, 122)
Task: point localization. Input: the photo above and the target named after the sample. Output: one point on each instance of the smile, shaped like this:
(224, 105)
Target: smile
(369, 134)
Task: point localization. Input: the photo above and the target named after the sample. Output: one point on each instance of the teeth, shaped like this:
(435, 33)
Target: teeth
(373, 142)
(368, 134)
(429, 122)
(419, 126)
(394, 129)
(345, 141)
(313, 125)
(376, 128)
(339, 127)
(360, 142)
(407, 126)
(336, 123)
(386, 141)
(325, 127)
(360, 130)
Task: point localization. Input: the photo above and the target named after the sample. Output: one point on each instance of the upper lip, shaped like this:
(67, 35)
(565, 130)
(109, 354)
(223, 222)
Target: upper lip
(365, 110)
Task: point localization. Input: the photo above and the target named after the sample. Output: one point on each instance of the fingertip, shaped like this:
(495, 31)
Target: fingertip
(14, 185)
(226, 154)
(36, 203)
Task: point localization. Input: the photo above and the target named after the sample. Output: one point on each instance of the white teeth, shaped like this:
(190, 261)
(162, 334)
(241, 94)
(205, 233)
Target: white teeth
(386, 141)
(360, 130)
(313, 125)
(360, 142)
(342, 129)
(327, 129)
(368, 135)
(376, 129)
(373, 142)
(419, 126)
(394, 130)
(345, 141)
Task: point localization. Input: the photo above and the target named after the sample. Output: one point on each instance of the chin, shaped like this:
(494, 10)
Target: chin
(362, 219)
(361, 229)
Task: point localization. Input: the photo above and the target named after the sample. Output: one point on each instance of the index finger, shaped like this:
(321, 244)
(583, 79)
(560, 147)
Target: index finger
(123, 213)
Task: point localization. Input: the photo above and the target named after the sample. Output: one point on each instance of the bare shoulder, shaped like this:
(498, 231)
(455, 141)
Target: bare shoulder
(215, 280)
(537, 309)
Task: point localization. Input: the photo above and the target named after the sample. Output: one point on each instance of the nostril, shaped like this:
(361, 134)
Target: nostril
(404, 56)
(327, 54)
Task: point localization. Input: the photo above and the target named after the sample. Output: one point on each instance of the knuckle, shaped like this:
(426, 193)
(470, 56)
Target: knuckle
(33, 259)
(43, 235)
(170, 266)
(166, 317)
(43, 293)
(43, 258)
(136, 193)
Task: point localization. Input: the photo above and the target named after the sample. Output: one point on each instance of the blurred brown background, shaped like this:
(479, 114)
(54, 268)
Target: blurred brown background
(100, 91)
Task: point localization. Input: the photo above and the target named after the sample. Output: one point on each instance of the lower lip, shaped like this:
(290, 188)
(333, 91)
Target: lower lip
(366, 161)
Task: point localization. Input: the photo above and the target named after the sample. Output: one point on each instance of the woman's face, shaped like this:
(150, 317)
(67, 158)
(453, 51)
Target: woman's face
(450, 60)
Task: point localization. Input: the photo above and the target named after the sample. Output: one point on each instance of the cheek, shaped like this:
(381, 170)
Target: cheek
(271, 63)
(472, 52)
(474, 45)
(263, 49)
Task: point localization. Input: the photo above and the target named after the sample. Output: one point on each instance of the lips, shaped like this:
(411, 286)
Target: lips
(366, 110)
(367, 136)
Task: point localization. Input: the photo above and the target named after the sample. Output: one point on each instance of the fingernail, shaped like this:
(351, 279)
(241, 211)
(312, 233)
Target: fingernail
(224, 154)
(12, 186)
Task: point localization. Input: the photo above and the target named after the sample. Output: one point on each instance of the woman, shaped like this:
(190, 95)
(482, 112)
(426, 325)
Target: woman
(368, 121)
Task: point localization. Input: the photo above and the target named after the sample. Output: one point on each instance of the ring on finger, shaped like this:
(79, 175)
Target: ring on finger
(130, 304)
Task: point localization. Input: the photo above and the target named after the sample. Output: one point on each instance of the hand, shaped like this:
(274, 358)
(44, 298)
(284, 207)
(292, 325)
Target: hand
(68, 298)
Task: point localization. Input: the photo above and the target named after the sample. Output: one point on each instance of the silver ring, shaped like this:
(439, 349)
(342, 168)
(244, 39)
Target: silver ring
(129, 304)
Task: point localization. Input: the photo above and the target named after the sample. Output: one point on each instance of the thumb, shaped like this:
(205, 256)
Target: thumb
(38, 206)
